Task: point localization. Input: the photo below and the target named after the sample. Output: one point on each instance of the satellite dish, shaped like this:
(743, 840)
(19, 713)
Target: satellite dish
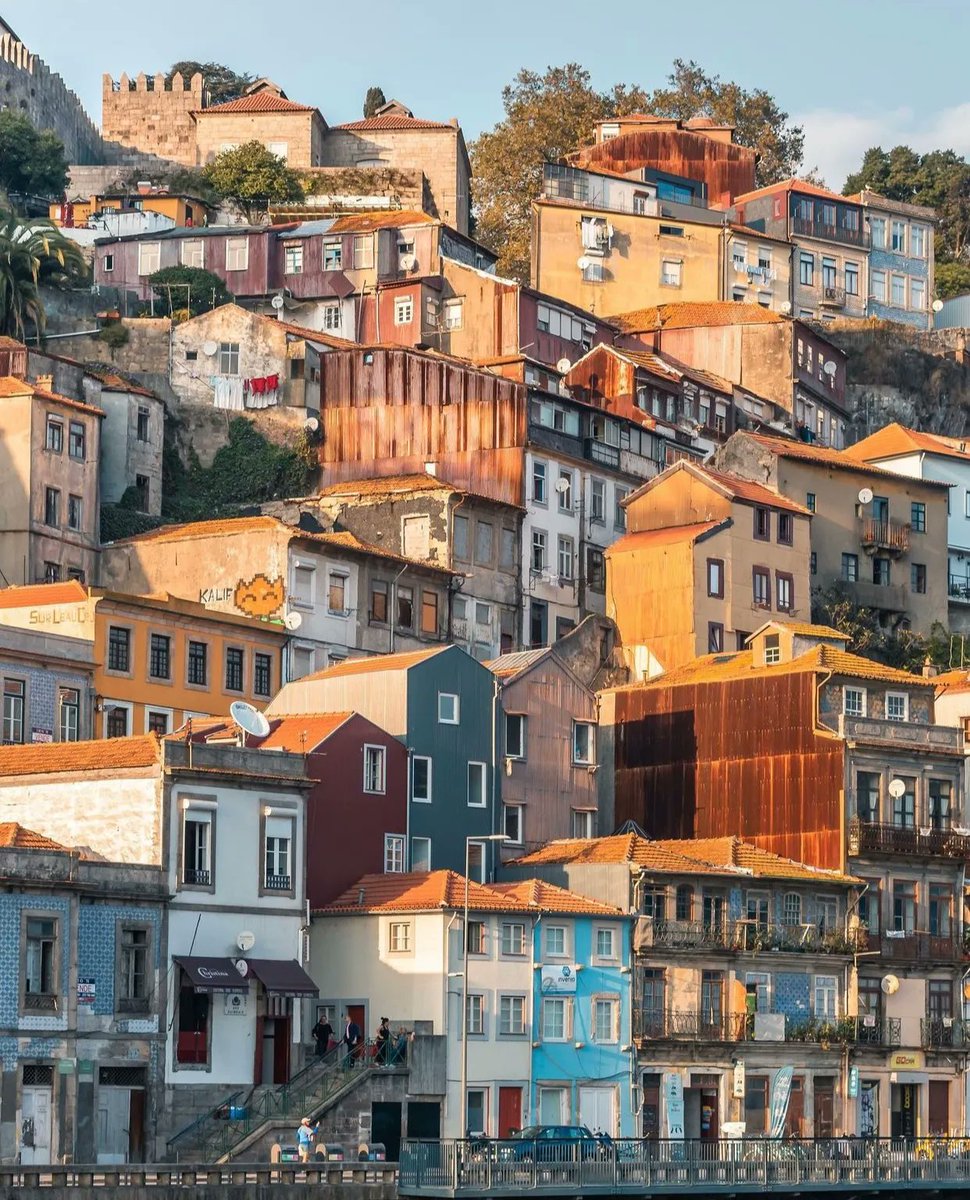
(889, 985)
(245, 940)
(209, 348)
(249, 719)
(583, 263)
(311, 424)
(830, 367)
(937, 305)
(277, 302)
(897, 788)
(562, 486)
(408, 262)
(786, 307)
(563, 366)
(865, 496)
(293, 621)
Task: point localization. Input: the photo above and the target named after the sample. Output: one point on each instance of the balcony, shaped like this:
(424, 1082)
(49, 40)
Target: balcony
(867, 837)
(649, 1025)
(898, 946)
(878, 1031)
(884, 597)
(195, 878)
(833, 297)
(959, 588)
(890, 535)
(941, 1033)
(742, 937)
(944, 739)
(278, 883)
(602, 453)
(829, 233)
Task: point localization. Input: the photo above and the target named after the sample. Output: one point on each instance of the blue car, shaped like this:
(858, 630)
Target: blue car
(558, 1143)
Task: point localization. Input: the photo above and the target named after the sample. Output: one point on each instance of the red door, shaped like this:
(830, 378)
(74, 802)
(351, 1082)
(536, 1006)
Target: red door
(509, 1111)
(356, 1014)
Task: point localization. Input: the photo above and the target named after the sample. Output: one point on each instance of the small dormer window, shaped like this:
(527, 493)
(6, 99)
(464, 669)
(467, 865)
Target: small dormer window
(772, 649)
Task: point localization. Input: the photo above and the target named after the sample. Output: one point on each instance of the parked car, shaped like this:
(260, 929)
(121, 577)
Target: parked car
(557, 1143)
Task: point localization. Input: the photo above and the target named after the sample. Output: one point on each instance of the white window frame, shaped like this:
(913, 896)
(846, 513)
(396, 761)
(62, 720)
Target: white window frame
(672, 272)
(375, 755)
(550, 929)
(237, 254)
(851, 711)
(483, 791)
(293, 258)
(149, 251)
(425, 841)
(394, 853)
(475, 1015)
(296, 598)
(590, 759)
(609, 955)
(416, 758)
(904, 696)
(517, 812)
(556, 1004)
(511, 1014)
(827, 985)
(455, 719)
(399, 940)
(329, 247)
(403, 310)
(363, 251)
(613, 1011)
(332, 321)
(192, 253)
(588, 819)
(523, 724)
(512, 935)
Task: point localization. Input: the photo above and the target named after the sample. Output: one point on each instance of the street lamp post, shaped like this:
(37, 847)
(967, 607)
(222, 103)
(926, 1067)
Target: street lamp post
(469, 841)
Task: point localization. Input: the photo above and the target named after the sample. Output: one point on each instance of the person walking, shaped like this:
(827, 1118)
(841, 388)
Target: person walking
(383, 1040)
(321, 1033)
(351, 1040)
(306, 1135)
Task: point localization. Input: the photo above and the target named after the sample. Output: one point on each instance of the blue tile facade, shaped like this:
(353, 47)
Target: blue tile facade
(792, 994)
(96, 946)
(12, 905)
(41, 704)
(884, 262)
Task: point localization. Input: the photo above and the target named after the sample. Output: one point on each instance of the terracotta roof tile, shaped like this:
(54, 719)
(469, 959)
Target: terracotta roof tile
(735, 487)
(52, 758)
(33, 594)
(793, 185)
(227, 527)
(391, 121)
(16, 837)
(367, 222)
(547, 897)
(807, 629)
(733, 852)
(378, 662)
(952, 682)
(346, 540)
(301, 733)
(840, 460)
(385, 485)
(668, 536)
(893, 441)
(11, 387)
(690, 314)
(257, 102)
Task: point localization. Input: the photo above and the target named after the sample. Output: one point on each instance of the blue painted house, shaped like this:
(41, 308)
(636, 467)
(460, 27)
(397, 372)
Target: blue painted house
(901, 280)
(445, 706)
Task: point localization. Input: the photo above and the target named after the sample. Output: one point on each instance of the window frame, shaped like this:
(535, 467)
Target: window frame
(715, 569)
(289, 816)
(507, 945)
(848, 689)
(237, 254)
(456, 718)
(233, 650)
(523, 1025)
(422, 758)
(393, 842)
(372, 786)
(54, 432)
(520, 754)
(483, 790)
(399, 938)
(136, 1003)
(51, 1001)
(206, 810)
(266, 658)
(904, 696)
(516, 839)
(590, 759)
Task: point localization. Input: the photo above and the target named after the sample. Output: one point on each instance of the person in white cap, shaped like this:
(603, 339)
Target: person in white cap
(305, 1137)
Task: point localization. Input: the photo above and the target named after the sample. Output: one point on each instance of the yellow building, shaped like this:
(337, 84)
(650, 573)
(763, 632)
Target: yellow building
(185, 211)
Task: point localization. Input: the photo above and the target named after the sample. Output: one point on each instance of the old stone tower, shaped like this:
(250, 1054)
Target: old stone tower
(153, 116)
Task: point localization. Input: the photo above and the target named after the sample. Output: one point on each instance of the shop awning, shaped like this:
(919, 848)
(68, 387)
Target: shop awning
(282, 976)
(212, 974)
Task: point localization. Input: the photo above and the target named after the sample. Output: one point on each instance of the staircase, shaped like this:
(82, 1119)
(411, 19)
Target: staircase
(241, 1121)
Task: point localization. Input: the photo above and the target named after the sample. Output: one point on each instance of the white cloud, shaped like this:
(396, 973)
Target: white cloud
(836, 141)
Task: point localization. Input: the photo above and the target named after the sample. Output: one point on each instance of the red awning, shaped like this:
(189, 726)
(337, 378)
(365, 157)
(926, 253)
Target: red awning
(282, 976)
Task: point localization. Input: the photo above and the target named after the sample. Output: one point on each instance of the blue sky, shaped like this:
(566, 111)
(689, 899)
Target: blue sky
(854, 72)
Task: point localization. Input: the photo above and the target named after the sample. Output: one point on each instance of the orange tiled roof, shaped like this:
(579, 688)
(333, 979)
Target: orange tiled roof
(733, 485)
(690, 314)
(807, 629)
(383, 485)
(428, 890)
(301, 733)
(895, 440)
(840, 460)
(663, 365)
(32, 594)
(793, 185)
(392, 121)
(52, 758)
(952, 682)
(11, 387)
(379, 662)
(367, 222)
(733, 852)
(668, 536)
(15, 837)
(258, 102)
(225, 527)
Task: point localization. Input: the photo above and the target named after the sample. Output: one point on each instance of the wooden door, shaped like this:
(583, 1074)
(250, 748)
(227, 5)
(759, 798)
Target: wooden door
(939, 1104)
(509, 1111)
(651, 1110)
(710, 1123)
(824, 1108)
(795, 1121)
(136, 1125)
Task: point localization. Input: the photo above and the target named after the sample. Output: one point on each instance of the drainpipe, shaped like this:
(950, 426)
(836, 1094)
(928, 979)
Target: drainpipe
(495, 702)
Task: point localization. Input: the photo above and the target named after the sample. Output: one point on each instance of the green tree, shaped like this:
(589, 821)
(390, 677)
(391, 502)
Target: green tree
(33, 254)
(189, 287)
(222, 83)
(251, 178)
(952, 279)
(31, 162)
(374, 100)
(908, 651)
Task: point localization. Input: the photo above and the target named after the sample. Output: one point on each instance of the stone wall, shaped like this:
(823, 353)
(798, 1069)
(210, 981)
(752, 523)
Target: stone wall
(28, 86)
(151, 115)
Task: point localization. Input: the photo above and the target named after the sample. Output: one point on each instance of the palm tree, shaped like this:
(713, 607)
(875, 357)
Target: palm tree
(33, 254)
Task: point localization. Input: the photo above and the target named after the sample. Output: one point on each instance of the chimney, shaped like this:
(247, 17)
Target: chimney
(929, 671)
(44, 383)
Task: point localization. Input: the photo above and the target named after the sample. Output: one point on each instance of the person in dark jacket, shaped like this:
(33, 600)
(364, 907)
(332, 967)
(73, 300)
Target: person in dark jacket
(321, 1033)
(351, 1040)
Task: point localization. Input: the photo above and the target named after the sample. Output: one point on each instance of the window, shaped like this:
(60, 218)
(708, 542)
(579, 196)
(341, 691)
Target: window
(555, 941)
(474, 1018)
(237, 254)
(606, 943)
(337, 594)
(684, 902)
(904, 805)
(772, 649)
(157, 722)
(149, 257)
(363, 251)
(511, 1015)
(448, 708)
(234, 669)
(52, 507)
(604, 1020)
(514, 735)
(786, 528)
(715, 637)
(904, 906)
(399, 937)
(476, 937)
(374, 769)
(564, 489)
(54, 438)
(715, 577)
(854, 701)
(192, 254)
(262, 674)
(619, 512)
(897, 706)
(898, 237)
(476, 785)
(293, 258)
(785, 591)
(566, 558)
(877, 228)
(867, 796)
(331, 321)
(826, 997)
(484, 543)
(421, 779)
(583, 743)
(813, 563)
(198, 664)
(14, 692)
(229, 358)
(68, 714)
(898, 290)
(108, 262)
(597, 502)
(538, 482)
(116, 721)
(429, 612)
(332, 256)
(403, 310)
(852, 279)
(420, 854)
(917, 241)
(792, 909)
(393, 853)
(197, 848)
(554, 1019)
(40, 963)
(939, 794)
(133, 981)
(762, 524)
(739, 255)
(513, 938)
(278, 835)
(917, 577)
(917, 294)
(757, 907)
(806, 270)
(671, 272)
(582, 823)
(877, 282)
(513, 814)
(74, 512)
(917, 517)
(850, 567)
(160, 656)
(507, 545)
(538, 550)
(405, 607)
(119, 649)
(378, 603)
(761, 587)
(829, 276)
(142, 428)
